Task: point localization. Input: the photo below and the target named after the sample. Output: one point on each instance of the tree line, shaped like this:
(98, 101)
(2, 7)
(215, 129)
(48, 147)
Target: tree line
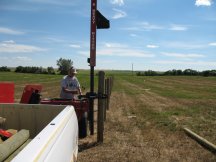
(174, 72)
(35, 70)
(63, 66)
(5, 68)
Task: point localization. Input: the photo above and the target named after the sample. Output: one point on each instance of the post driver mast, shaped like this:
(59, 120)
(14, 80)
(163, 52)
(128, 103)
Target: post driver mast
(100, 22)
(92, 63)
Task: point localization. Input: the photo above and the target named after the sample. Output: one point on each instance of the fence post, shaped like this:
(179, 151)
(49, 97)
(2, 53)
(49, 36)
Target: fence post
(105, 101)
(108, 93)
(111, 84)
(100, 124)
(112, 80)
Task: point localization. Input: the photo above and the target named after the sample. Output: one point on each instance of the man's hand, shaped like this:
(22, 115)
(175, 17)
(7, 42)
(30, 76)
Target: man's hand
(74, 92)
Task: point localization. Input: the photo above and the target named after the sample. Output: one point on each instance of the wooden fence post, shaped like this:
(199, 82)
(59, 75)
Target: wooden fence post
(105, 101)
(111, 84)
(100, 121)
(108, 93)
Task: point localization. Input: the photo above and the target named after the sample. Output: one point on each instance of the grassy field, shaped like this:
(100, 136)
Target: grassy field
(145, 117)
(174, 101)
(50, 83)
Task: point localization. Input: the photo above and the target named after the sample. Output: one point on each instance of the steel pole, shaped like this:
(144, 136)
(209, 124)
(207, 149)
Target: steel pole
(91, 102)
(92, 63)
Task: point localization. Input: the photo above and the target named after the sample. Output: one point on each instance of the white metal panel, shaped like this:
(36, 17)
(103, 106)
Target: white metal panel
(58, 141)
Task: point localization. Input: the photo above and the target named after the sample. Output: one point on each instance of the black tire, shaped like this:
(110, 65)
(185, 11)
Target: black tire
(83, 127)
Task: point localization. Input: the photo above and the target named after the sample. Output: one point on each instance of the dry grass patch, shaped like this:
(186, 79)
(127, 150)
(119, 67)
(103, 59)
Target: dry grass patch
(125, 140)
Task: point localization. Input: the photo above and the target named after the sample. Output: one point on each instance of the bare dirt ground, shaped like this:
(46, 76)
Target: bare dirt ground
(126, 140)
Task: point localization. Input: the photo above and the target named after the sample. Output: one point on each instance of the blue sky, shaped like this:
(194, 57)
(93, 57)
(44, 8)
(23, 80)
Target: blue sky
(150, 34)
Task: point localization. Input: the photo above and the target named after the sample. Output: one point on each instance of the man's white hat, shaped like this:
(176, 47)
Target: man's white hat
(73, 70)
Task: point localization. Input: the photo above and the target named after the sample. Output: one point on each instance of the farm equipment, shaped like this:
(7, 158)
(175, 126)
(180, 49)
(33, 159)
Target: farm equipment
(31, 95)
(45, 127)
(81, 107)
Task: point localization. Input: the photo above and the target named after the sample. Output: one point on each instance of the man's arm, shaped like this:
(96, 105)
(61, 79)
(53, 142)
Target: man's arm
(79, 91)
(70, 91)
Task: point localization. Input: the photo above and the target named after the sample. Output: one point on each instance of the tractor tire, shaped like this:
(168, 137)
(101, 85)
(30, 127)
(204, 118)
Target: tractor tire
(83, 127)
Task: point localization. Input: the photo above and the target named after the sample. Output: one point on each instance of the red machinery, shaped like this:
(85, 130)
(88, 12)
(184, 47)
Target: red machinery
(5, 134)
(80, 105)
(30, 90)
(31, 95)
(6, 92)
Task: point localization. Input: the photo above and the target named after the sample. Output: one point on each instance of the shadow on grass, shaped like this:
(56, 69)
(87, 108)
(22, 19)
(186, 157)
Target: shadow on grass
(87, 145)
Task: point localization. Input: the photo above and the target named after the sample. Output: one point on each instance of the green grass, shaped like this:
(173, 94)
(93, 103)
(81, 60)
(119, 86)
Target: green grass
(175, 87)
(193, 101)
(168, 98)
(50, 83)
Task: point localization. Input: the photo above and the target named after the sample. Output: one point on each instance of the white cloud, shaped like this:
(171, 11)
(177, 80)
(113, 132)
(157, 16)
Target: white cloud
(3, 58)
(148, 26)
(74, 46)
(114, 45)
(83, 53)
(124, 52)
(133, 35)
(56, 2)
(144, 26)
(119, 14)
(203, 2)
(12, 47)
(52, 39)
(117, 2)
(10, 31)
(152, 46)
(22, 58)
(183, 45)
(182, 55)
(119, 50)
(189, 63)
(178, 27)
(212, 44)
(9, 41)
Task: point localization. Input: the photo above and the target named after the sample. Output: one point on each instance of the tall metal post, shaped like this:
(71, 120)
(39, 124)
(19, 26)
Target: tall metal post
(91, 102)
(92, 63)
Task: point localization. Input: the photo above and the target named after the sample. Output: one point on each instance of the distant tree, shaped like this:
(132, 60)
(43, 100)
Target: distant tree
(179, 72)
(213, 72)
(4, 68)
(173, 72)
(150, 73)
(169, 72)
(64, 65)
(50, 70)
(44, 71)
(31, 69)
(139, 73)
(187, 72)
(206, 73)
(19, 69)
(39, 70)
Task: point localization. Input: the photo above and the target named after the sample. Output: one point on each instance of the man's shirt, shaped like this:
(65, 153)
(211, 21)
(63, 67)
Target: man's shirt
(70, 83)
